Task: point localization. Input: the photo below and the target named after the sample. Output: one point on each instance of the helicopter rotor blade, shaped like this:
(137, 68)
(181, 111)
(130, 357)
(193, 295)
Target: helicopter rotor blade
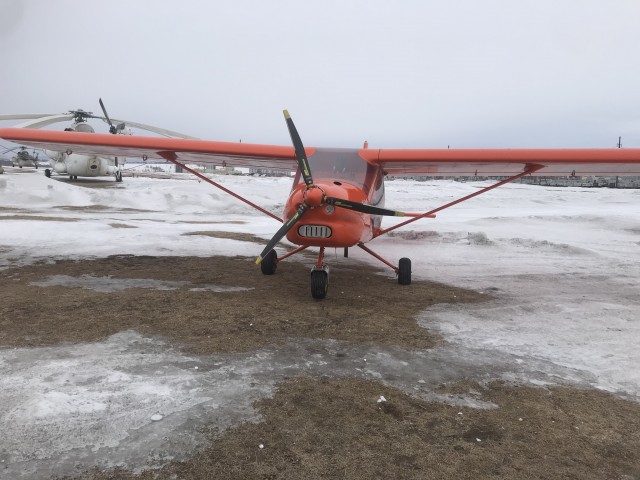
(112, 128)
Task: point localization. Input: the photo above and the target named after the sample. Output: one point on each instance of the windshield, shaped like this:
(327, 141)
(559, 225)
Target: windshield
(338, 164)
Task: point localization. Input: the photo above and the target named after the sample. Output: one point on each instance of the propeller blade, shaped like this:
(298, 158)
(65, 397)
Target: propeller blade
(112, 128)
(301, 156)
(361, 207)
(286, 226)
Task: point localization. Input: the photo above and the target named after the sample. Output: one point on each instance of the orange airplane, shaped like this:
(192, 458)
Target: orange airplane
(337, 198)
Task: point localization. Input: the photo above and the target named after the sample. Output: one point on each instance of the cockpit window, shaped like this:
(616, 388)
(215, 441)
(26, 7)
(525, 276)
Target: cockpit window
(337, 164)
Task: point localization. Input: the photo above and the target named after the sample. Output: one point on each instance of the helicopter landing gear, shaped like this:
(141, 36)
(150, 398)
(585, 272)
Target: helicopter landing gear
(47, 173)
(118, 176)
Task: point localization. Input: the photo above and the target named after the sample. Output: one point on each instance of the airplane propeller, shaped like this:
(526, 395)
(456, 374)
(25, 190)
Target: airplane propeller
(313, 195)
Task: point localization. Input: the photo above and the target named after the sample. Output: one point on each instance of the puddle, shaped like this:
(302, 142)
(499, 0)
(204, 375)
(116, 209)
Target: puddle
(108, 284)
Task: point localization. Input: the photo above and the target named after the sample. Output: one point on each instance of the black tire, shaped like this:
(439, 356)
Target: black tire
(269, 264)
(118, 176)
(404, 271)
(319, 284)
(47, 173)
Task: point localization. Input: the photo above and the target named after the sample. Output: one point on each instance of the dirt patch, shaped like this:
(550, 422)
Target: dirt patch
(121, 225)
(12, 209)
(204, 222)
(337, 429)
(100, 208)
(39, 218)
(329, 428)
(362, 305)
(242, 236)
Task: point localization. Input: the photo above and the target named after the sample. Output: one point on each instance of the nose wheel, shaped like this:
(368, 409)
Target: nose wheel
(319, 282)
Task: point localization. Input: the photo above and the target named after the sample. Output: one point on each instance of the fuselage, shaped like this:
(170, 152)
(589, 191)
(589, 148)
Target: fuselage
(341, 174)
(83, 165)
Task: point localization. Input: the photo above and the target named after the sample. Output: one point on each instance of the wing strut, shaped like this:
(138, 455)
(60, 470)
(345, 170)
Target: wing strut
(173, 158)
(528, 170)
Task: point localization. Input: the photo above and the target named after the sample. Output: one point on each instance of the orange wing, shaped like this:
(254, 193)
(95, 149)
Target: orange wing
(432, 162)
(185, 150)
(507, 162)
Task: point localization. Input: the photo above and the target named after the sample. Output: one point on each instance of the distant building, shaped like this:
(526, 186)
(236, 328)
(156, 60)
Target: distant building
(269, 172)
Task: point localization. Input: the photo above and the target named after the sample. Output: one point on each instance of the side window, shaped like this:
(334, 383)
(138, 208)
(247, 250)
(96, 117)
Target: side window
(378, 187)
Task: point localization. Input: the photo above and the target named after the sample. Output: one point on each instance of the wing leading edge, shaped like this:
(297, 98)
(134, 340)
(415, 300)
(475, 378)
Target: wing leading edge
(399, 162)
(506, 162)
(134, 146)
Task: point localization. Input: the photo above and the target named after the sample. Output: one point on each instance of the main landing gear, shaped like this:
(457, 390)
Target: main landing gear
(320, 271)
(118, 176)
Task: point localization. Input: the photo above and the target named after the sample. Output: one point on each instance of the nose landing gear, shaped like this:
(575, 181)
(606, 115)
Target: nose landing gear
(320, 277)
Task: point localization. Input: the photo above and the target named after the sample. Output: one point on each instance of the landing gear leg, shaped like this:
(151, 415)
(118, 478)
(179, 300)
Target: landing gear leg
(403, 270)
(320, 278)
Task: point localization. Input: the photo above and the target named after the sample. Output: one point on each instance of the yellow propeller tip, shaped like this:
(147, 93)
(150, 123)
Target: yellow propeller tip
(399, 214)
(286, 113)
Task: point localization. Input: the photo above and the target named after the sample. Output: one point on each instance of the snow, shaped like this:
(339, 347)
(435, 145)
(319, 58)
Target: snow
(562, 264)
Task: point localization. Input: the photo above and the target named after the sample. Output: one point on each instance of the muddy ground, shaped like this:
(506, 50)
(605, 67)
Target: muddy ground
(327, 428)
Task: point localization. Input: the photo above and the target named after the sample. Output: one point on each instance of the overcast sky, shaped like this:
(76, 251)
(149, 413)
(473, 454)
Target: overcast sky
(465, 73)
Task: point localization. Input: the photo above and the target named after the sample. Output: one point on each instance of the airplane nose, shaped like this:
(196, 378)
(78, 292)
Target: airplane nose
(313, 196)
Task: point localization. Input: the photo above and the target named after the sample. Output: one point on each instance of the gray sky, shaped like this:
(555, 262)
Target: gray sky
(465, 73)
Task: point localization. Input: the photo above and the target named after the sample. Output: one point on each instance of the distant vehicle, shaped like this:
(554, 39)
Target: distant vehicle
(65, 162)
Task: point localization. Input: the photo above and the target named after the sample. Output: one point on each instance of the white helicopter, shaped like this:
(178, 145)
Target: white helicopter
(75, 165)
(22, 158)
